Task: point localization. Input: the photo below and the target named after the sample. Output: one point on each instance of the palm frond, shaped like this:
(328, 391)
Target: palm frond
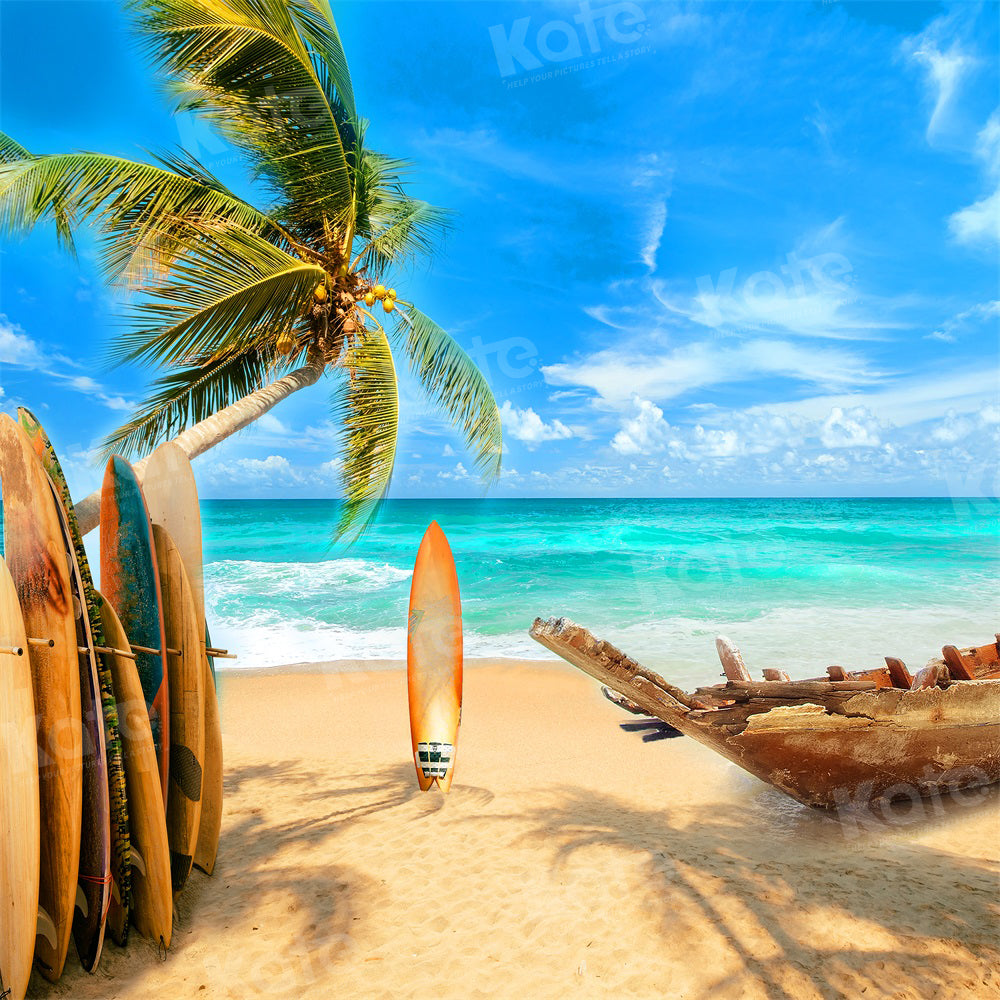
(272, 76)
(367, 406)
(138, 204)
(450, 377)
(185, 396)
(402, 232)
(11, 151)
(226, 290)
(14, 152)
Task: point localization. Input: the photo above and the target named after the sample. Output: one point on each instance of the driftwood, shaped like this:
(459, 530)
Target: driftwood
(772, 674)
(826, 743)
(732, 660)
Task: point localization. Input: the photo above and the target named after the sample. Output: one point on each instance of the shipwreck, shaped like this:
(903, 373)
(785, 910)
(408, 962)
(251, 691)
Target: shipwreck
(879, 734)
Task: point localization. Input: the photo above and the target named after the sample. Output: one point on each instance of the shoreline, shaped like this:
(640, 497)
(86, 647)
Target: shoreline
(360, 665)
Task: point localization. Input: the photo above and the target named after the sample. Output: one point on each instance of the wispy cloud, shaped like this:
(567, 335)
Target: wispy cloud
(617, 375)
(979, 223)
(656, 220)
(946, 64)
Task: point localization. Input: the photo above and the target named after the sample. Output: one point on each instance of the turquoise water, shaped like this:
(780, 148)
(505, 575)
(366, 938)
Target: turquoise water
(798, 583)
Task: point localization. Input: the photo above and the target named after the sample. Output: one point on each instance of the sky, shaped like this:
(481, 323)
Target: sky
(702, 249)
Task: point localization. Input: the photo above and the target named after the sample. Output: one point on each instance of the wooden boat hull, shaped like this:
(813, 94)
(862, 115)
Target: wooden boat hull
(887, 745)
(19, 808)
(36, 557)
(434, 661)
(187, 707)
(130, 581)
(121, 864)
(152, 898)
(859, 747)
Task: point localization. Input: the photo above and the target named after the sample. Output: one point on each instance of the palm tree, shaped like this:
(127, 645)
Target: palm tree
(241, 306)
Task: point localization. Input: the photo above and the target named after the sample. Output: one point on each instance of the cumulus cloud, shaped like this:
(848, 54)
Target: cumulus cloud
(851, 429)
(644, 432)
(527, 426)
(17, 348)
(458, 474)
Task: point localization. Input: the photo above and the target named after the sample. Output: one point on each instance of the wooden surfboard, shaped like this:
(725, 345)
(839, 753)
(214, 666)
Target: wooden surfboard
(207, 849)
(434, 661)
(36, 557)
(172, 500)
(187, 707)
(130, 581)
(19, 816)
(171, 493)
(152, 899)
(93, 890)
(117, 922)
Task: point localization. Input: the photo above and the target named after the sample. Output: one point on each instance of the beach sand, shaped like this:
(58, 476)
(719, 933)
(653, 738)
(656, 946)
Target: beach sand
(570, 859)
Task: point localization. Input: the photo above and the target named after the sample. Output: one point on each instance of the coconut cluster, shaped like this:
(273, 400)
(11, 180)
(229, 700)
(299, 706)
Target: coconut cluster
(332, 314)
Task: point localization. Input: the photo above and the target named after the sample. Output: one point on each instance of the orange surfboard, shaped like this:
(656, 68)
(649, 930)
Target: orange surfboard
(434, 661)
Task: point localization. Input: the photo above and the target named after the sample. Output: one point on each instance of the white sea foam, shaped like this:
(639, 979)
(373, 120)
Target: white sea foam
(255, 578)
(270, 644)
(803, 641)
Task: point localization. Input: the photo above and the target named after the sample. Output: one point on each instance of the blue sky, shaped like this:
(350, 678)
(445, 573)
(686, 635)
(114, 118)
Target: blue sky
(702, 249)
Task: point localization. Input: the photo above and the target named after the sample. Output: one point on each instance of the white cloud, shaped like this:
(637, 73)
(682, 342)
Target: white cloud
(946, 66)
(447, 452)
(979, 222)
(655, 223)
(270, 423)
(458, 474)
(255, 473)
(905, 401)
(616, 375)
(851, 429)
(528, 426)
(645, 432)
(717, 444)
(17, 348)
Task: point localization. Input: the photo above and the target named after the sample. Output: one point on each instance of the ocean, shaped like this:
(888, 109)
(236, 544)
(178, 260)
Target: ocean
(796, 583)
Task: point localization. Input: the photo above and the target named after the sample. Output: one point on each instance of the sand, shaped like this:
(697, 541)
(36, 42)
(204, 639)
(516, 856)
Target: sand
(570, 859)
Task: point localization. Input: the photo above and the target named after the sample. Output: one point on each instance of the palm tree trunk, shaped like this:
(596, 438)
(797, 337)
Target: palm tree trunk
(212, 430)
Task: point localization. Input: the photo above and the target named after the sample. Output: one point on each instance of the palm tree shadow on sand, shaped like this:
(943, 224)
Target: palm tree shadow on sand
(707, 863)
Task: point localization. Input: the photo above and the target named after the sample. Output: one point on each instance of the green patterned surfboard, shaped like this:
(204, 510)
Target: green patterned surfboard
(121, 852)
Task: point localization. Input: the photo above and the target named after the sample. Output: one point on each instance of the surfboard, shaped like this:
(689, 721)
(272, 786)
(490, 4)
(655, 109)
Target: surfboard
(207, 849)
(187, 707)
(152, 899)
(36, 557)
(434, 660)
(19, 808)
(171, 493)
(93, 890)
(130, 581)
(118, 900)
(172, 500)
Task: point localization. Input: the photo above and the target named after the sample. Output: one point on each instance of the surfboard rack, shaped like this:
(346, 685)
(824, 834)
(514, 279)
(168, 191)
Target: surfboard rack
(42, 642)
(12, 650)
(150, 650)
(117, 652)
(220, 654)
